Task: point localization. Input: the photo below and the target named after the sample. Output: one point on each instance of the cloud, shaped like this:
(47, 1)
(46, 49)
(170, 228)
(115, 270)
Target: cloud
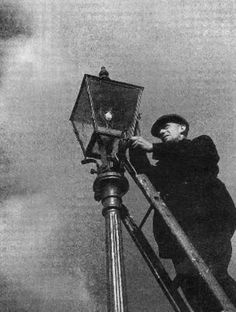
(15, 22)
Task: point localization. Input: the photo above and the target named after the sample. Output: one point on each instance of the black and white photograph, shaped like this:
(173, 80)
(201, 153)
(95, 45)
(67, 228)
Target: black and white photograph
(117, 156)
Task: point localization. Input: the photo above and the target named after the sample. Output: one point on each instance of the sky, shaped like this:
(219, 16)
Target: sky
(52, 231)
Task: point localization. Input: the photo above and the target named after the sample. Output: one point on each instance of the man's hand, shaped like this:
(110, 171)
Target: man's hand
(140, 142)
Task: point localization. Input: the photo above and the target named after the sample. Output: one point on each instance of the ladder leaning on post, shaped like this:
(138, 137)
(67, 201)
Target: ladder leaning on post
(155, 200)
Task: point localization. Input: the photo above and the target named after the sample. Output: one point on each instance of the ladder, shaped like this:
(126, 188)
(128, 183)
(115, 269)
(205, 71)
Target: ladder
(168, 286)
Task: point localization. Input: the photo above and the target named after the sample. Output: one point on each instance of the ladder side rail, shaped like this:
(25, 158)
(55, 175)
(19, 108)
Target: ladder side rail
(154, 199)
(154, 264)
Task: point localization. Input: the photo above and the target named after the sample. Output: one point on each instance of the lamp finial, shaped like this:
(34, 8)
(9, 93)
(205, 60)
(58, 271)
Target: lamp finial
(104, 73)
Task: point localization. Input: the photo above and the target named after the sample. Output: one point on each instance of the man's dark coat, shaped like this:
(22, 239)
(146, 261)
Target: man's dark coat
(186, 176)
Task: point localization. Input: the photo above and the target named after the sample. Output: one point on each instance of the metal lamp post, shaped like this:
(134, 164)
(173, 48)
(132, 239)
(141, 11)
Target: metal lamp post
(105, 112)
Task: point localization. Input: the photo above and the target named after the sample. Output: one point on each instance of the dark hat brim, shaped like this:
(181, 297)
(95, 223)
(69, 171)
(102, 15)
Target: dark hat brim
(160, 122)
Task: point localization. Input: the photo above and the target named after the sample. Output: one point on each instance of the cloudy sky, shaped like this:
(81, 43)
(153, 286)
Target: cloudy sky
(52, 231)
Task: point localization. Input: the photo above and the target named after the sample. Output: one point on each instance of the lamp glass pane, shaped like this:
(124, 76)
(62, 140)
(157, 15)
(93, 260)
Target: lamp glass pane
(81, 118)
(82, 111)
(114, 103)
(83, 133)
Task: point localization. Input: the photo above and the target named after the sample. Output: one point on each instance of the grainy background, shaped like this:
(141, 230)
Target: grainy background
(52, 233)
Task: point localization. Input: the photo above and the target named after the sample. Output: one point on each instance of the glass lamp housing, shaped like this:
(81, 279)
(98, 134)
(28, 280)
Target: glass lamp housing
(104, 107)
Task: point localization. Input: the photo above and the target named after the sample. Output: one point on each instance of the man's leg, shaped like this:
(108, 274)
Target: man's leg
(198, 295)
(219, 267)
(194, 288)
(229, 286)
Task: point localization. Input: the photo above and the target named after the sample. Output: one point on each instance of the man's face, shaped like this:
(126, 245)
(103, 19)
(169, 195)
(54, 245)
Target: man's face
(171, 131)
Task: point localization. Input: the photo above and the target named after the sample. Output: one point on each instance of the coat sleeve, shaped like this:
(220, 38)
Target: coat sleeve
(139, 160)
(142, 165)
(201, 149)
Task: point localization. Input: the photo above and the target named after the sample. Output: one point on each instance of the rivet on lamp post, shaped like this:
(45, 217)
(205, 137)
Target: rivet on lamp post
(105, 112)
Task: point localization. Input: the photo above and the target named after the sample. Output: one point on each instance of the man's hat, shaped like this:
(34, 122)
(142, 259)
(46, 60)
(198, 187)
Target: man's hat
(165, 119)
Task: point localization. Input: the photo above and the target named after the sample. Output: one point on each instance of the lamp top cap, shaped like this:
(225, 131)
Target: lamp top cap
(103, 73)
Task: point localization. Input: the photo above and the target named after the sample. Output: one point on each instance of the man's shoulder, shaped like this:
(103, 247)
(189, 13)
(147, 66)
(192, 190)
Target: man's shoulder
(199, 140)
(204, 145)
(202, 139)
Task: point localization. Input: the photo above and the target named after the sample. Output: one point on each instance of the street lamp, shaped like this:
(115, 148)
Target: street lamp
(105, 112)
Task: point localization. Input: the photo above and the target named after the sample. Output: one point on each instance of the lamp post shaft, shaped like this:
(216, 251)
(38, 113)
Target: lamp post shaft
(109, 187)
(117, 301)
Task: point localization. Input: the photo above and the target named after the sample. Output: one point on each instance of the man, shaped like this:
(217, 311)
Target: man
(186, 177)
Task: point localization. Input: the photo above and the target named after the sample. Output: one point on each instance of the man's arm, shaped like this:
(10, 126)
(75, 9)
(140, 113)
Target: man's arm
(201, 149)
(139, 160)
(141, 143)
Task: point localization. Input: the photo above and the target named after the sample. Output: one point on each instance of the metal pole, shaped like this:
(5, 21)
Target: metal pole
(109, 187)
